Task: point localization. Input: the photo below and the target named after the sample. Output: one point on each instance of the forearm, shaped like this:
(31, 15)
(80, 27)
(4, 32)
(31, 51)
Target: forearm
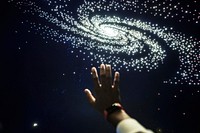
(117, 116)
(125, 124)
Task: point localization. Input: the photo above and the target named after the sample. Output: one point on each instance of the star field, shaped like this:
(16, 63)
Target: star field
(127, 43)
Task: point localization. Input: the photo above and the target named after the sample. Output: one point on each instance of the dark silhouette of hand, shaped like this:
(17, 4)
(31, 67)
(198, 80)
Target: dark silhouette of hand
(106, 89)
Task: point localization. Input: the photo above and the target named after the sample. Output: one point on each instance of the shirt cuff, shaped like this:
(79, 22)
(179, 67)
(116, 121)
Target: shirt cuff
(131, 126)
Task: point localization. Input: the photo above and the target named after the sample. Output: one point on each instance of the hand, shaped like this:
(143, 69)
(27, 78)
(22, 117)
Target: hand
(107, 93)
(106, 90)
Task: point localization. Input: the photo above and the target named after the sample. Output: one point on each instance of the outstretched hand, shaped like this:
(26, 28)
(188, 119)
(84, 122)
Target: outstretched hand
(107, 101)
(106, 90)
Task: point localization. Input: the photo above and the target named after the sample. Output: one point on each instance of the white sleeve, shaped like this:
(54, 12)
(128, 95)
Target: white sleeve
(131, 126)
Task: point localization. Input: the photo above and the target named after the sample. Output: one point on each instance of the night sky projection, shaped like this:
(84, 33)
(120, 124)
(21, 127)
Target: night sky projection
(49, 47)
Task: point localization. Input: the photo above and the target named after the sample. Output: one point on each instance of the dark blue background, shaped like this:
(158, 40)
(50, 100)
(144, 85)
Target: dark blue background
(43, 83)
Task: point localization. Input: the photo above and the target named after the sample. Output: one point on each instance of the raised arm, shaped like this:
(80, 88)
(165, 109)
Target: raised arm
(107, 101)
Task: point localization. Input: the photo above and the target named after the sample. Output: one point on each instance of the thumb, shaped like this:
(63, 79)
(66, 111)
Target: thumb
(89, 96)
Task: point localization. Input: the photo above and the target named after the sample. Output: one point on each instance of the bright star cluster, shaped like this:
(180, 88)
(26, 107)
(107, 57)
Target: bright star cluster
(107, 31)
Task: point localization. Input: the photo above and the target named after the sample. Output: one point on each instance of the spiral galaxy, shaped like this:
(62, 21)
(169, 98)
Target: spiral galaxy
(110, 31)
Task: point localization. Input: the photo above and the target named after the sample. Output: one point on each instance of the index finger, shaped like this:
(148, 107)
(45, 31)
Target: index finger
(95, 78)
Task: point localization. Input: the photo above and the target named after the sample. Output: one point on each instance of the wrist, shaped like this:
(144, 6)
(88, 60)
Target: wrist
(115, 113)
(113, 108)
